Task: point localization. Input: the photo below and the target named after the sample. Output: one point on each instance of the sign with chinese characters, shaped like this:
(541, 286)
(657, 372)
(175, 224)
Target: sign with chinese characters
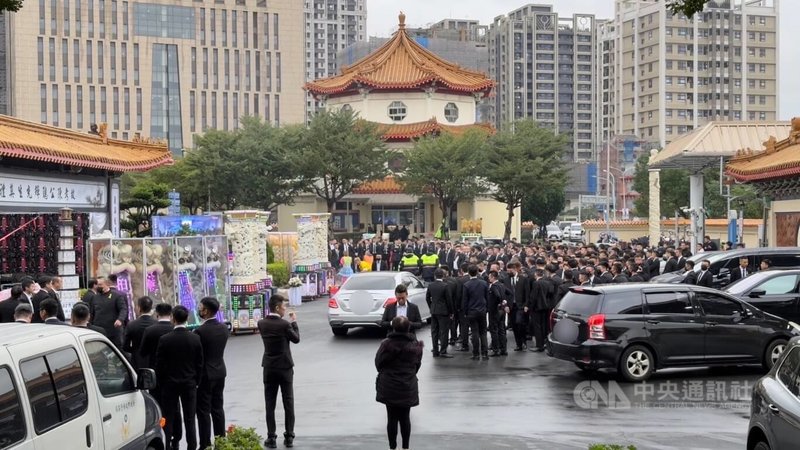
(19, 190)
(115, 229)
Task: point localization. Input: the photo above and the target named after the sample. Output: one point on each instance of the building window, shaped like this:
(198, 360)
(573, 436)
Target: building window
(202, 26)
(124, 51)
(194, 68)
(40, 57)
(224, 28)
(43, 102)
(235, 110)
(115, 105)
(275, 28)
(213, 25)
(54, 91)
(277, 109)
(451, 112)
(90, 15)
(227, 69)
(113, 51)
(114, 19)
(139, 109)
(92, 105)
(103, 105)
(165, 106)
(266, 30)
(203, 113)
(102, 19)
(66, 16)
(78, 18)
(258, 71)
(52, 53)
(266, 108)
(192, 106)
(214, 110)
(42, 24)
(234, 28)
(125, 20)
(277, 72)
(205, 68)
(76, 60)
(126, 111)
(166, 21)
(79, 106)
(397, 111)
(100, 74)
(247, 70)
(225, 111)
(236, 69)
(215, 68)
(64, 60)
(53, 15)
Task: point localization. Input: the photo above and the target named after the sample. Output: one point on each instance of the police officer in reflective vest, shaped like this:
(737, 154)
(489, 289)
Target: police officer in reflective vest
(430, 261)
(410, 262)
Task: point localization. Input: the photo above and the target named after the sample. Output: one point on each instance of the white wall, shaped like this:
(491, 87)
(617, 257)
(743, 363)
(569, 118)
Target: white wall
(419, 107)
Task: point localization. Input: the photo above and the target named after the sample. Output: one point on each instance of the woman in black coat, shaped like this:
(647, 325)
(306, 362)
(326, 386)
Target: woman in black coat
(398, 360)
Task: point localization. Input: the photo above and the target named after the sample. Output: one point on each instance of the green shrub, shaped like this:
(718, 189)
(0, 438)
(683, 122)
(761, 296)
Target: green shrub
(270, 254)
(238, 438)
(279, 272)
(610, 447)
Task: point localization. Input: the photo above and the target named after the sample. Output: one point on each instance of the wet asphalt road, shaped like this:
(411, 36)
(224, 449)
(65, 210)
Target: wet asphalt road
(522, 401)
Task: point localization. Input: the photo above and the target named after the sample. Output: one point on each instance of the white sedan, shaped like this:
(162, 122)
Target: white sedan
(363, 297)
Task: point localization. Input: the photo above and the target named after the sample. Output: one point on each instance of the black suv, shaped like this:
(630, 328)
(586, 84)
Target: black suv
(639, 328)
(723, 262)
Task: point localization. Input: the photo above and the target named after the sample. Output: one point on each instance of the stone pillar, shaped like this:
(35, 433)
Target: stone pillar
(655, 206)
(66, 262)
(247, 236)
(696, 188)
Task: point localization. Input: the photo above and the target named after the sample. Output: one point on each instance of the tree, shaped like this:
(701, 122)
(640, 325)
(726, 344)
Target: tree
(542, 206)
(10, 5)
(446, 167)
(141, 201)
(522, 160)
(184, 179)
(686, 7)
(337, 153)
(249, 167)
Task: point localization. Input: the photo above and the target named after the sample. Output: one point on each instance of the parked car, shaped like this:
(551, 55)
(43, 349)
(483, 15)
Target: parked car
(553, 233)
(576, 232)
(723, 262)
(775, 405)
(363, 297)
(639, 328)
(61, 384)
(773, 291)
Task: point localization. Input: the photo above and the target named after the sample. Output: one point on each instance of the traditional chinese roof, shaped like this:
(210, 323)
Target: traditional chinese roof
(643, 223)
(714, 140)
(401, 63)
(395, 132)
(777, 159)
(388, 185)
(33, 141)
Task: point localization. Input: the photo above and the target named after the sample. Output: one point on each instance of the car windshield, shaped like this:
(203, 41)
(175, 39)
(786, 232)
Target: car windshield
(371, 283)
(743, 285)
(552, 228)
(580, 303)
(576, 227)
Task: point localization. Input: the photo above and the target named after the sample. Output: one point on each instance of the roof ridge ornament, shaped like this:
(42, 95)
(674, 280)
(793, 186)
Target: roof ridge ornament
(402, 19)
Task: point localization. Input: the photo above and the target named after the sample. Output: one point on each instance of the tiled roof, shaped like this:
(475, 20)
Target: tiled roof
(777, 159)
(714, 140)
(27, 140)
(600, 224)
(402, 63)
(419, 129)
(388, 185)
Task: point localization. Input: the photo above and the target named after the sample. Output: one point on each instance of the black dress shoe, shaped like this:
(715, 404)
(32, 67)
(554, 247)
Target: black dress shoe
(537, 349)
(463, 349)
(517, 349)
(475, 358)
(485, 357)
(435, 355)
(445, 355)
(504, 353)
(495, 353)
(270, 443)
(288, 440)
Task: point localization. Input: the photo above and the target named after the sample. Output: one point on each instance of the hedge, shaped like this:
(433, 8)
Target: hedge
(279, 272)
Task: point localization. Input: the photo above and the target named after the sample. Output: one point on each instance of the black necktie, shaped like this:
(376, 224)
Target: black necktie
(744, 272)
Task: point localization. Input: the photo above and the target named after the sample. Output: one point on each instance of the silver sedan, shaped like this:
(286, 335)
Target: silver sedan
(361, 300)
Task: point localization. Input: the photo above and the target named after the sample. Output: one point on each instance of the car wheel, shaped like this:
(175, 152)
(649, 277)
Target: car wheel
(773, 352)
(761, 445)
(637, 363)
(339, 331)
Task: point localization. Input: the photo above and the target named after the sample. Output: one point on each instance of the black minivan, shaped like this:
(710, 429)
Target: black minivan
(639, 328)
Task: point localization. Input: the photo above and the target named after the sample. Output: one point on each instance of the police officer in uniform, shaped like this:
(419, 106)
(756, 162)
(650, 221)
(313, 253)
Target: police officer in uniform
(410, 262)
(430, 261)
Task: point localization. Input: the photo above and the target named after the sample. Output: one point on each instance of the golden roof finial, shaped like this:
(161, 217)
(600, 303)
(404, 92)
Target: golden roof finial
(402, 20)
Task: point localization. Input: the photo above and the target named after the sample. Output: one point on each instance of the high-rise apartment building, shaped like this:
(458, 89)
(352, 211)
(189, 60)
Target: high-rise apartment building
(164, 69)
(663, 75)
(330, 26)
(544, 68)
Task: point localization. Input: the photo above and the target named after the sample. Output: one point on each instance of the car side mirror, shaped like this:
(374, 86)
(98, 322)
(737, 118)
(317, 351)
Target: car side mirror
(146, 379)
(757, 294)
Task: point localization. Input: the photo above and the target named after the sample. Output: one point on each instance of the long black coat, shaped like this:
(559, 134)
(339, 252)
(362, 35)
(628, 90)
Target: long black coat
(398, 360)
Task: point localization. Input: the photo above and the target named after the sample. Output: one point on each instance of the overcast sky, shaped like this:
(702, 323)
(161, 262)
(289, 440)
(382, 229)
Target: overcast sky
(382, 21)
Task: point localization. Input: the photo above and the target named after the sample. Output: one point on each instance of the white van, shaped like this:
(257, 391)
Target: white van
(68, 388)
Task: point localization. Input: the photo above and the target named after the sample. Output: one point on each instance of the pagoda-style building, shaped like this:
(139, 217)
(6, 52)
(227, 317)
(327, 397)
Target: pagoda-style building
(775, 173)
(410, 92)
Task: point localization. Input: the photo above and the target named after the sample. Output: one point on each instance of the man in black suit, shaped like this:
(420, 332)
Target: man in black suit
(742, 271)
(8, 306)
(605, 276)
(618, 276)
(440, 302)
(23, 313)
(210, 402)
(497, 308)
(690, 276)
(517, 285)
(379, 265)
(705, 277)
(537, 307)
(672, 262)
(91, 291)
(48, 312)
(402, 307)
(684, 256)
(135, 330)
(109, 310)
(653, 264)
(179, 367)
(333, 254)
(278, 366)
(46, 291)
(79, 317)
(474, 304)
(147, 358)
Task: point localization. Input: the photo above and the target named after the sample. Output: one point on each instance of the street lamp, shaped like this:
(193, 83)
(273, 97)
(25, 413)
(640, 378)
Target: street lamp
(613, 184)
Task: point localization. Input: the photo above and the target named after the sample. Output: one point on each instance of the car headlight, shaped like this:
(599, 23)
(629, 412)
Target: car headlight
(795, 326)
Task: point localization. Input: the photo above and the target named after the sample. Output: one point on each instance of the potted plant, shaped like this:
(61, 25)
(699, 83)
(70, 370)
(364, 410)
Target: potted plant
(295, 291)
(238, 438)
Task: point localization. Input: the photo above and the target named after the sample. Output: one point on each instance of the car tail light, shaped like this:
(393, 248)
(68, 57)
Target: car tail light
(552, 319)
(389, 302)
(333, 290)
(332, 303)
(597, 326)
